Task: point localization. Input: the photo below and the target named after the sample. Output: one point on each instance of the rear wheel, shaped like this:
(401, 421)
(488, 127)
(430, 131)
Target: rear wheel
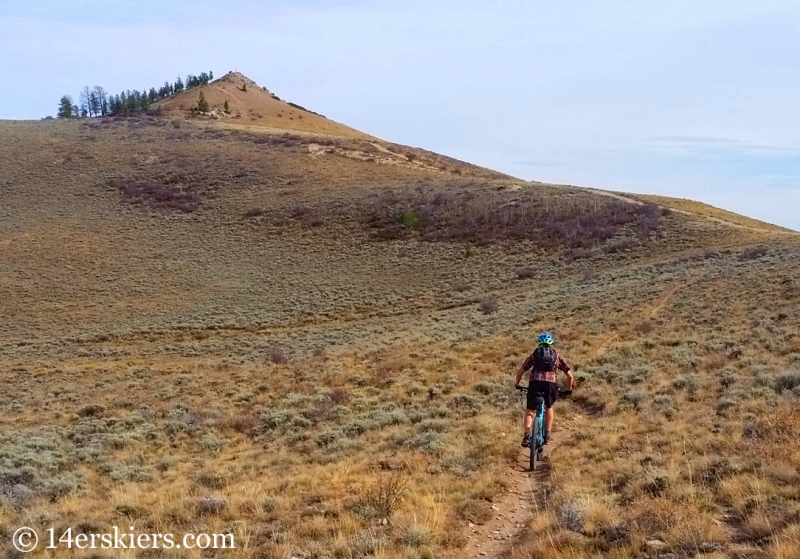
(534, 442)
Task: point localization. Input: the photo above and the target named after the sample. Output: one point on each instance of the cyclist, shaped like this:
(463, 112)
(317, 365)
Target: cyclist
(544, 363)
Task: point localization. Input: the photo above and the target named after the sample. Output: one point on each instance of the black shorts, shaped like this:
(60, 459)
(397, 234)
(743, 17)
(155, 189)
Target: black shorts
(549, 389)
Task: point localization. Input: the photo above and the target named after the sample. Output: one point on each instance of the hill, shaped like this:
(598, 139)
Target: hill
(306, 339)
(252, 105)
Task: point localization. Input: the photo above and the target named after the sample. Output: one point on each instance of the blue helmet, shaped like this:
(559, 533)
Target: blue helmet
(545, 338)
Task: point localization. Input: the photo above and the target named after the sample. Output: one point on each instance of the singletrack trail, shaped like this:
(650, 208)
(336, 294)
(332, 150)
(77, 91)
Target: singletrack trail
(498, 537)
(528, 495)
(712, 218)
(648, 313)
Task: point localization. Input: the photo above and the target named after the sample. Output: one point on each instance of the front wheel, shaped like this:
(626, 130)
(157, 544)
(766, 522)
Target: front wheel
(534, 447)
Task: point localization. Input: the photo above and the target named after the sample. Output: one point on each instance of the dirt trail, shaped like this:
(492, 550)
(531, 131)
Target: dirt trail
(693, 214)
(511, 513)
(648, 313)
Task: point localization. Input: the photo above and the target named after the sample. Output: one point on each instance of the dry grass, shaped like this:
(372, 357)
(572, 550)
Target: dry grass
(264, 366)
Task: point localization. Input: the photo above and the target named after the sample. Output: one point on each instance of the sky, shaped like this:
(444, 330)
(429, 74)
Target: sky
(681, 98)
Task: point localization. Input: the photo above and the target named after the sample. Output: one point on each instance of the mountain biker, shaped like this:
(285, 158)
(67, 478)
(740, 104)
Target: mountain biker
(544, 363)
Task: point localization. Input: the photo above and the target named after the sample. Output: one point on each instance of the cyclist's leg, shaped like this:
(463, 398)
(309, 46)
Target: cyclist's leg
(548, 419)
(549, 413)
(528, 423)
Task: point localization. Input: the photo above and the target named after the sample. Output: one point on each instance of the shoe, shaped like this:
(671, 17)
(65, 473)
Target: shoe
(546, 438)
(526, 440)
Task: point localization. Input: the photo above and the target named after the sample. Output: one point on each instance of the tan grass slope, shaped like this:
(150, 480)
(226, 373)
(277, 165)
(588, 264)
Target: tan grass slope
(253, 105)
(307, 342)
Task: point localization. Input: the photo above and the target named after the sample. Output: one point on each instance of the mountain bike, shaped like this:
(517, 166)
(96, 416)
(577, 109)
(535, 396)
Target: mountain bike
(536, 434)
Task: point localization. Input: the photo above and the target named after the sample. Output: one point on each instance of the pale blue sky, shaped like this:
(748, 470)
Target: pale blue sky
(696, 99)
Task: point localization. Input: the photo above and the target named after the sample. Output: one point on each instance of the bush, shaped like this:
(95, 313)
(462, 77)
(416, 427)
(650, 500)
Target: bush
(638, 375)
(488, 305)
(385, 496)
(525, 273)
(160, 195)
(460, 286)
(728, 378)
(211, 505)
(787, 381)
(657, 483)
(685, 357)
(573, 515)
(416, 536)
(254, 212)
(408, 219)
(469, 212)
(753, 253)
(277, 356)
(631, 400)
(724, 404)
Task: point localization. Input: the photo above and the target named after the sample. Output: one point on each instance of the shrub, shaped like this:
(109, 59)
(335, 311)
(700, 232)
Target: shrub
(657, 483)
(724, 404)
(573, 515)
(488, 305)
(621, 245)
(277, 356)
(753, 253)
(408, 219)
(160, 195)
(787, 381)
(208, 506)
(254, 212)
(469, 212)
(386, 495)
(685, 357)
(212, 443)
(428, 441)
(466, 404)
(663, 403)
(460, 286)
(728, 378)
(211, 480)
(327, 438)
(631, 399)
(638, 375)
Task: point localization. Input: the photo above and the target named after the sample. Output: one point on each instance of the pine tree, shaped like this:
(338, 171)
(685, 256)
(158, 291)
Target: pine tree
(226, 107)
(94, 104)
(202, 104)
(65, 107)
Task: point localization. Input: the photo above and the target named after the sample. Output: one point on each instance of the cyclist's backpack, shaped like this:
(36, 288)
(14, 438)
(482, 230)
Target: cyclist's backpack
(544, 358)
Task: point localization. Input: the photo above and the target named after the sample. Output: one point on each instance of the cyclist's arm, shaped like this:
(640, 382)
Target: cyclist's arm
(564, 366)
(522, 368)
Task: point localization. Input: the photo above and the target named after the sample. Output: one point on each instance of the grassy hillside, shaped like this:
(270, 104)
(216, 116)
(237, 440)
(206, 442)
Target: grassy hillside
(252, 105)
(308, 341)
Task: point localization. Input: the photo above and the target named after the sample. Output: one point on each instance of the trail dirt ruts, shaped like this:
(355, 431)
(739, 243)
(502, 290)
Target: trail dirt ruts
(648, 313)
(498, 537)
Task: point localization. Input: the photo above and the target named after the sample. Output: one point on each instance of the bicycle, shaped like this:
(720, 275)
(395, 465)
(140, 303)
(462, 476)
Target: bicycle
(536, 435)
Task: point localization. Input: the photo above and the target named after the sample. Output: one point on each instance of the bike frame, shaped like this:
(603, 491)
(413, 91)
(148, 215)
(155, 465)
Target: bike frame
(537, 428)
